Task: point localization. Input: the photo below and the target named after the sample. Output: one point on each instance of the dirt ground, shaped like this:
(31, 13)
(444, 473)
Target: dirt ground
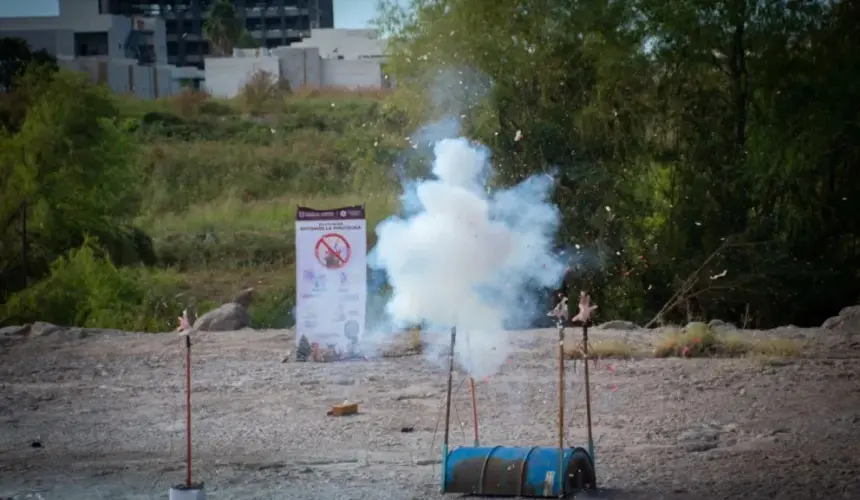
(107, 409)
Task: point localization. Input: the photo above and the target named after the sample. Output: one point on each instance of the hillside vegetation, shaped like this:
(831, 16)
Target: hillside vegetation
(706, 161)
(202, 197)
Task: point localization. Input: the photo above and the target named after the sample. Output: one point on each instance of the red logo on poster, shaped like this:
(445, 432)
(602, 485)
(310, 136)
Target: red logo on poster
(332, 251)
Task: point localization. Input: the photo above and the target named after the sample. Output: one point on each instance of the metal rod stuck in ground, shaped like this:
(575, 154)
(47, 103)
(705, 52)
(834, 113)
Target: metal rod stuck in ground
(561, 478)
(188, 409)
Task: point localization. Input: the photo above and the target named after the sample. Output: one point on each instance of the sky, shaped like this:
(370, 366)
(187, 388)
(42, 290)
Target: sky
(347, 13)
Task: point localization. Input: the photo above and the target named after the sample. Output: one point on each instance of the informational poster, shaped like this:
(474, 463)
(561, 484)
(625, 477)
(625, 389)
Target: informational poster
(331, 269)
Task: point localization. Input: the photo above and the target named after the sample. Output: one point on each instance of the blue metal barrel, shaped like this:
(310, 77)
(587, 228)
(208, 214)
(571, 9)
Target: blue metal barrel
(510, 471)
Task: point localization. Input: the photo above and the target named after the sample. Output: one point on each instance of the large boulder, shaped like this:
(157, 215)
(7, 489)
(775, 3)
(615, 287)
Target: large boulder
(847, 320)
(244, 298)
(233, 315)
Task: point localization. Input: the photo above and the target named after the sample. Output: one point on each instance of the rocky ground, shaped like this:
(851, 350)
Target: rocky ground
(106, 411)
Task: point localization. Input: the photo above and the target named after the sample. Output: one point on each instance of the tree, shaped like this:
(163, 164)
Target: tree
(15, 57)
(246, 41)
(69, 172)
(223, 28)
(709, 148)
(568, 76)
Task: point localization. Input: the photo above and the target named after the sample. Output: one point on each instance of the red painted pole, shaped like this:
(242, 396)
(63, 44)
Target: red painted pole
(188, 408)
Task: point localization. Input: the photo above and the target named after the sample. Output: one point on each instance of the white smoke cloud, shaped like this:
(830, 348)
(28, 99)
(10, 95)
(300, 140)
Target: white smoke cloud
(464, 257)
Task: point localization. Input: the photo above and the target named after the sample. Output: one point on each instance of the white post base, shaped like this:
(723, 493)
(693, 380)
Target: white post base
(193, 492)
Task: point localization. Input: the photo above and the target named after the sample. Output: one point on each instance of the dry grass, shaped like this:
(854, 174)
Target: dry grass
(404, 343)
(603, 349)
(415, 340)
(260, 93)
(700, 341)
(187, 104)
(192, 103)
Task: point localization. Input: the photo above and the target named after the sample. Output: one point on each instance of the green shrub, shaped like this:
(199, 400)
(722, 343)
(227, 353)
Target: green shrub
(154, 127)
(85, 289)
(274, 309)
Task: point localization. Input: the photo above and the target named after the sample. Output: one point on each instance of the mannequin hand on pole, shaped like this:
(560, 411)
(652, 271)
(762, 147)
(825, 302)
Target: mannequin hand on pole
(585, 308)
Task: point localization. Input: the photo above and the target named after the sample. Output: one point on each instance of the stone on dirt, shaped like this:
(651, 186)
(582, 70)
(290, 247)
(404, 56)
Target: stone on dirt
(718, 324)
(697, 326)
(848, 320)
(42, 329)
(619, 325)
(233, 315)
(14, 331)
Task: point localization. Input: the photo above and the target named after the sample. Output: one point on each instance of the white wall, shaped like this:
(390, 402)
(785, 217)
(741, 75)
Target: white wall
(225, 76)
(125, 76)
(351, 74)
(301, 67)
(351, 44)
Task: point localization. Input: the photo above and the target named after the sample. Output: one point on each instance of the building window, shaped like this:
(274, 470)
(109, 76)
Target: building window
(91, 44)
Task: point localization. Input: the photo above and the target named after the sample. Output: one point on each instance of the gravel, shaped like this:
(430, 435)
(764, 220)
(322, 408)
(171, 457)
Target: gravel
(101, 415)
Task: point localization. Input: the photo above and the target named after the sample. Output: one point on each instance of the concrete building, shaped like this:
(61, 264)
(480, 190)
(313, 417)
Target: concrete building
(273, 23)
(129, 54)
(94, 33)
(328, 58)
(345, 44)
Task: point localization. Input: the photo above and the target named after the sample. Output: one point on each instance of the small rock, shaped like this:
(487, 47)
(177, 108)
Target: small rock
(742, 392)
(75, 334)
(14, 331)
(718, 324)
(618, 325)
(702, 434)
(699, 446)
(42, 329)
